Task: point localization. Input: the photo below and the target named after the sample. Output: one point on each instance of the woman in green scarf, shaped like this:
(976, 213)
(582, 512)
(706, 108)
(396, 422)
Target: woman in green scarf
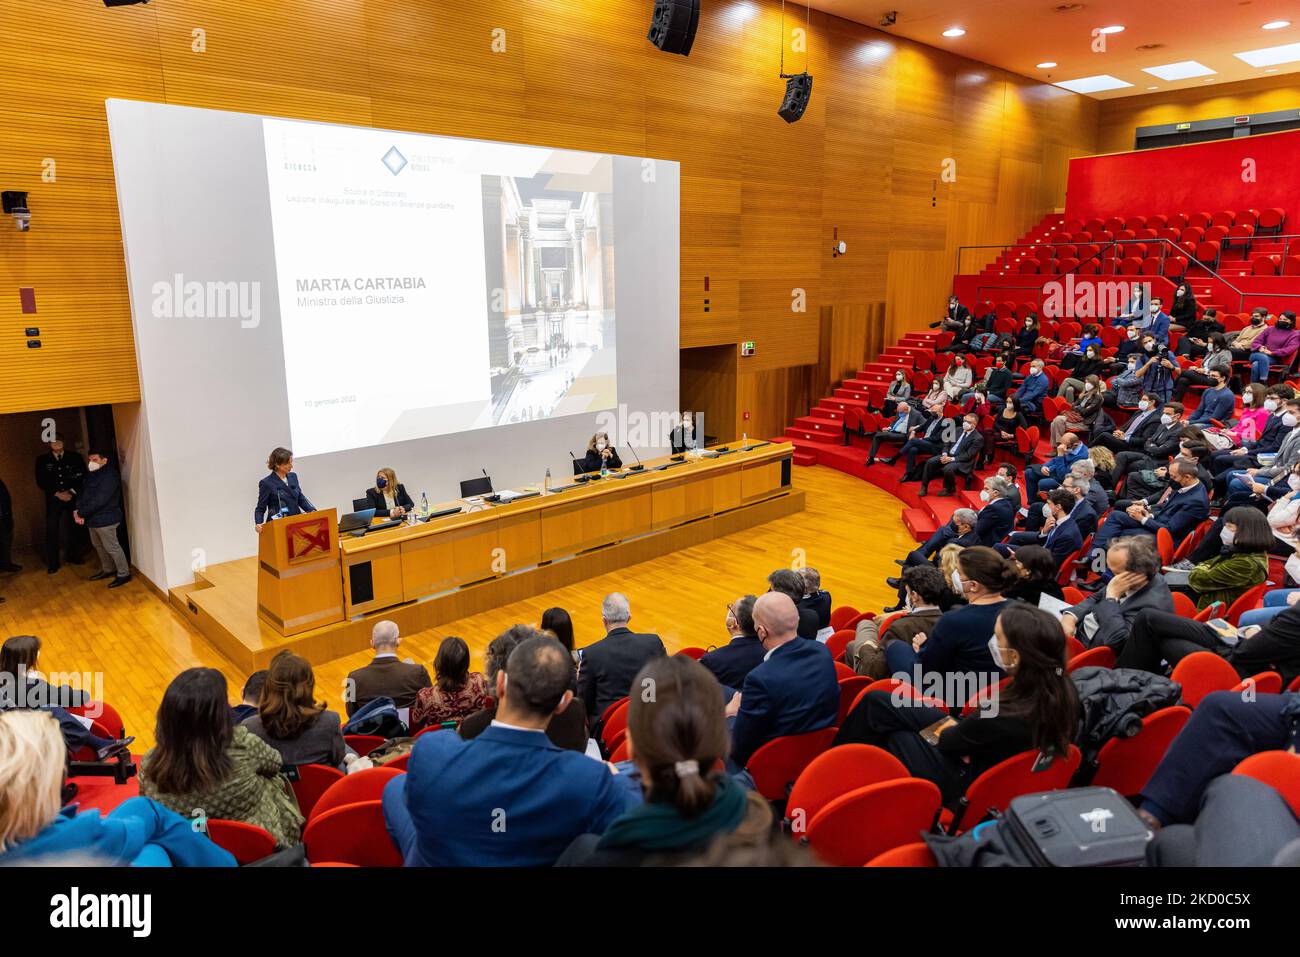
(677, 741)
(1240, 565)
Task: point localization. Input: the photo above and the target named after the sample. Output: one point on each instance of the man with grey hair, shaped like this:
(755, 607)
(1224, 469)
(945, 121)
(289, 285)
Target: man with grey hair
(795, 690)
(606, 668)
(814, 598)
(998, 516)
(1085, 471)
(1107, 617)
(386, 676)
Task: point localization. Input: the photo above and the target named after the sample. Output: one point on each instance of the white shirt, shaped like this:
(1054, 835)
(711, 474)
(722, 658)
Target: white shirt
(515, 727)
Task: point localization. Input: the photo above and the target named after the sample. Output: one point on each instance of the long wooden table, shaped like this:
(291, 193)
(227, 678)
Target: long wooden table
(413, 562)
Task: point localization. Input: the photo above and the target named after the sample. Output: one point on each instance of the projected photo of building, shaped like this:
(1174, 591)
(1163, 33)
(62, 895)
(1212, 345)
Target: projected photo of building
(550, 293)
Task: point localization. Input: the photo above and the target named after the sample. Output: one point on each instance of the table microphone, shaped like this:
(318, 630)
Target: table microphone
(638, 467)
(579, 476)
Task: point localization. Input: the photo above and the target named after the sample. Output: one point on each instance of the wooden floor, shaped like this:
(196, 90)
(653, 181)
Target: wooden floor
(850, 532)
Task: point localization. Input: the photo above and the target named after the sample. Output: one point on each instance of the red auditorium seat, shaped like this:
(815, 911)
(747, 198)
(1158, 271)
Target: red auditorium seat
(1223, 217)
(837, 642)
(313, 780)
(842, 615)
(1126, 764)
(1089, 268)
(352, 834)
(1072, 226)
(1291, 266)
(1248, 600)
(1266, 682)
(909, 855)
(1044, 252)
(695, 654)
(1157, 221)
(850, 690)
(1024, 309)
(1280, 770)
(1066, 264)
(1216, 234)
(363, 744)
(614, 724)
(777, 764)
(1246, 217)
(1099, 657)
(861, 825)
(1192, 234)
(367, 785)
(1270, 221)
(834, 773)
(1114, 224)
(1174, 266)
(1240, 236)
(994, 789)
(1151, 266)
(1179, 220)
(247, 842)
(1029, 266)
(1170, 233)
(1094, 225)
(1130, 266)
(1199, 219)
(1266, 265)
(1146, 235)
(1202, 672)
(1135, 223)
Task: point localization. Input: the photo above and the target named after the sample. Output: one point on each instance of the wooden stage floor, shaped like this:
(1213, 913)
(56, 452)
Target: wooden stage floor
(849, 531)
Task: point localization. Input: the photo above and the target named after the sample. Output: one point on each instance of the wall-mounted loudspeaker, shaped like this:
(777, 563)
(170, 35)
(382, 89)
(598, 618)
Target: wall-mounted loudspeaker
(673, 27)
(798, 91)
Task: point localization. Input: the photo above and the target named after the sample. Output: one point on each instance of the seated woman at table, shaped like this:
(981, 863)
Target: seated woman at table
(600, 454)
(389, 497)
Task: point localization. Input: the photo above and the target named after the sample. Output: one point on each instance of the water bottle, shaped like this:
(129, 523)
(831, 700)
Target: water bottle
(424, 505)
(744, 441)
(604, 467)
(546, 483)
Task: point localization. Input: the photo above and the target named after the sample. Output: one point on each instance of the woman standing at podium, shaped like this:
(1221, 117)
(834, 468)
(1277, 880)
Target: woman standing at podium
(279, 491)
(389, 497)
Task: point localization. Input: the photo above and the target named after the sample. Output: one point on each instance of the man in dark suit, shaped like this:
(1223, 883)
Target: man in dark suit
(607, 667)
(1133, 436)
(790, 583)
(795, 690)
(1063, 537)
(814, 598)
(386, 676)
(953, 317)
(508, 797)
(958, 530)
(733, 662)
(1161, 443)
(958, 458)
(1179, 509)
(906, 420)
(250, 697)
(1107, 617)
(99, 508)
(59, 474)
(998, 516)
(927, 440)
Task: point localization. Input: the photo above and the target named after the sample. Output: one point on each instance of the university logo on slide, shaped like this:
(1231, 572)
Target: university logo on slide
(394, 160)
(308, 539)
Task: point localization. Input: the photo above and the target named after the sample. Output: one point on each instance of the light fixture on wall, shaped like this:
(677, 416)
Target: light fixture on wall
(673, 25)
(798, 86)
(14, 203)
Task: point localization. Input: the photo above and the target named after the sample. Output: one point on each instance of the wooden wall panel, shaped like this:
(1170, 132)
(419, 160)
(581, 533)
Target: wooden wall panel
(761, 202)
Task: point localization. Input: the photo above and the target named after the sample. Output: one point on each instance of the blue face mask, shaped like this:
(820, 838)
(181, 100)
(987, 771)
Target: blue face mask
(381, 482)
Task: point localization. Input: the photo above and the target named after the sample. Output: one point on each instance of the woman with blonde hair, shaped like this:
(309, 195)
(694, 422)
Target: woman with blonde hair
(388, 497)
(600, 454)
(1104, 460)
(35, 828)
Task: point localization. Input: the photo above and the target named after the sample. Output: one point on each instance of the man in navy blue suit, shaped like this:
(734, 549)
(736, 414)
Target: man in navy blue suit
(1182, 507)
(794, 690)
(279, 492)
(507, 797)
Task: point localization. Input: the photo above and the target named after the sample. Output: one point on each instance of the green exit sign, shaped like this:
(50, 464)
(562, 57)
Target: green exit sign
(1183, 126)
(747, 348)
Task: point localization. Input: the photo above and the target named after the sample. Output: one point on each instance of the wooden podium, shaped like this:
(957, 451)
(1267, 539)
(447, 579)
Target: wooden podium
(299, 582)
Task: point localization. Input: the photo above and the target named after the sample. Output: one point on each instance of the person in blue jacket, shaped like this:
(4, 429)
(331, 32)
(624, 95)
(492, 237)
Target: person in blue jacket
(34, 829)
(1031, 391)
(100, 509)
(279, 493)
(1053, 472)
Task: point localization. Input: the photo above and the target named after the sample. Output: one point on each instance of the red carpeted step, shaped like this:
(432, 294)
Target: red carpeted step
(818, 426)
(804, 457)
(919, 523)
(829, 413)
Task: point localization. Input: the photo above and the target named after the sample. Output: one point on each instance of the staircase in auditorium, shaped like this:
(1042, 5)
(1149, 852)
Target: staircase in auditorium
(1235, 276)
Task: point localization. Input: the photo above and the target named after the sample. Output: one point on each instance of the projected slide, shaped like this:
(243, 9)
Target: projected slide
(431, 285)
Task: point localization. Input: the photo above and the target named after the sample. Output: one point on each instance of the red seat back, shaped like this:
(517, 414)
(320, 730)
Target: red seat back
(837, 642)
(1099, 657)
(834, 773)
(1126, 764)
(367, 785)
(694, 653)
(313, 781)
(247, 842)
(908, 855)
(1245, 602)
(352, 834)
(778, 763)
(1280, 770)
(1202, 672)
(1266, 682)
(841, 616)
(363, 744)
(994, 789)
(850, 689)
(616, 722)
(860, 826)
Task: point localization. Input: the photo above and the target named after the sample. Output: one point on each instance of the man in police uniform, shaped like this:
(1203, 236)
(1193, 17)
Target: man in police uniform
(59, 473)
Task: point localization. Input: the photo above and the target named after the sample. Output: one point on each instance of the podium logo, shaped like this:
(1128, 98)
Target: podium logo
(394, 160)
(181, 299)
(308, 538)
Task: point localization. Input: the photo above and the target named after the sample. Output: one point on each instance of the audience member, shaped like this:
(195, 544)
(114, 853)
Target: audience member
(731, 663)
(607, 667)
(385, 675)
(558, 622)
(1242, 562)
(289, 719)
(456, 693)
(789, 582)
(249, 697)
(923, 589)
(1107, 617)
(814, 598)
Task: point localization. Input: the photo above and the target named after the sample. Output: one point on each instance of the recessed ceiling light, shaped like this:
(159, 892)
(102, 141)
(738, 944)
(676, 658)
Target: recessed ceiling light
(1093, 84)
(1153, 88)
(1271, 70)
(1047, 64)
(1114, 29)
(1271, 56)
(1277, 25)
(1183, 70)
(954, 32)
(1209, 79)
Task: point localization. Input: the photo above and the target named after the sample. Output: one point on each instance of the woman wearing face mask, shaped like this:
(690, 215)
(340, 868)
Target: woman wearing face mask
(600, 454)
(1091, 339)
(1182, 311)
(683, 437)
(1027, 337)
(936, 399)
(1250, 421)
(958, 644)
(900, 390)
(1005, 424)
(1082, 415)
(1196, 334)
(1038, 572)
(388, 497)
(1242, 562)
(1274, 347)
(1090, 364)
(1126, 388)
(958, 378)
(1036, 710)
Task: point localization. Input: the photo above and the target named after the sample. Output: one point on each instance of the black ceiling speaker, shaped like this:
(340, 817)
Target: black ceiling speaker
(122, 3)
(673, 27)
(798, 91)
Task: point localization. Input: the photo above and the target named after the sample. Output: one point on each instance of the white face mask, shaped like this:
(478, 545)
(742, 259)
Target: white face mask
(1088, 387)
(1132, 334)
(1144, 405)
(1294, 482)
(956, 581)
(1150, 347)
(1289, 420)
(1155, 307)
(600, 446)
(1166, 420)
(1247, 398)
(1035, 371)
(1270, 405)
(899, 377)
(1047, 510)
(996, 652)
(687, 423)
(92, 466)
(985, 496)
(968, 427)
(1227, 535)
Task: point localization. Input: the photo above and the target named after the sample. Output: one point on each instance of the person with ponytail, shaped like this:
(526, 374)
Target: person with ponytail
(1037, 709)
(677, 738)
(958, 646)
